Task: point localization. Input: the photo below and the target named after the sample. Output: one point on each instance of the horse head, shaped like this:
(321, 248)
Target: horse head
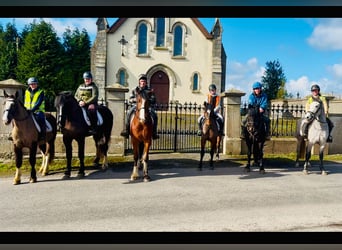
(11, 107)
(314, 110)
(61, 104)
(254, 120)
(143, 103)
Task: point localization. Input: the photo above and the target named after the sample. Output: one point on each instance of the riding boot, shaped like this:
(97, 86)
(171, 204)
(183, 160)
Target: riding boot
(155, 123)
(125, 132)
(242, 134)
(199, 131)
(220, 122)
(42, 134)
(330, 125)
(93, 123)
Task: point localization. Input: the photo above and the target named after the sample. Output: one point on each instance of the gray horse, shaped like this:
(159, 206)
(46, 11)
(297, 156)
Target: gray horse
(318, 132)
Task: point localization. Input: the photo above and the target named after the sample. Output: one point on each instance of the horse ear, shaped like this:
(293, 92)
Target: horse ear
(5, 94)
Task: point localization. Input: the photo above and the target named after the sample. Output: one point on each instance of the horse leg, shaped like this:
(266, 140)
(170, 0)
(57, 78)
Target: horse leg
(299, 149)
(18, 162)
(218, 143)
(135, 171)
(44, 149)
(307, 157)
(32, 160)
(261, 159)
(68, 150)
(140, 156)
(212, 152)
(321, 153)
(147, 178)
(200, 166)
(249, 156)
(81, 146)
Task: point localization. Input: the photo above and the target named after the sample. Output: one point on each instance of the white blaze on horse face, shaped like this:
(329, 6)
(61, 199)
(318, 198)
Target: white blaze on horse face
(8, 104)
(142, 111)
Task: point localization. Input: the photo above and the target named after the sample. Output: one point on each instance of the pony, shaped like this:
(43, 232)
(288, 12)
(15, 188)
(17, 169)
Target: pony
(25, 135)
(74, 125)
(141, 128)
(255, 136)
(318, 132)
(210, 132)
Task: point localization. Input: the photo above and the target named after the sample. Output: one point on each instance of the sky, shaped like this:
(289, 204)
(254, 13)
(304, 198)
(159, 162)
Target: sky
(309, 50)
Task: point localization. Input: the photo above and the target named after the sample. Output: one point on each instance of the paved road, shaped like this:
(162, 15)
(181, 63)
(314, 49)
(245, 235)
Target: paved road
(178, 199)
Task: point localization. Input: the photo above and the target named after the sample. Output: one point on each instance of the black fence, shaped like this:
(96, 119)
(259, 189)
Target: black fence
(177, 125)
(283, 118)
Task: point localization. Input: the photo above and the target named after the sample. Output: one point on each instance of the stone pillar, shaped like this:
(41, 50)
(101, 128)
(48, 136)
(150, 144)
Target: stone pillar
(11, 87)
(232, 143)
(116, 103)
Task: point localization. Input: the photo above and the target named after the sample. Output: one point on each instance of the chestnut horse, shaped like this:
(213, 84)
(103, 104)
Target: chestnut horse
(74, 126)
(25, 135)
(255, 135)
(210, 133)
(141, 128)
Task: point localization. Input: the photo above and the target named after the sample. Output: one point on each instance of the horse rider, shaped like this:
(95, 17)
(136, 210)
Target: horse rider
(142, 85)
(316, 96)
(87, 95)
(34, 100)
(258, 98)
(215, 100)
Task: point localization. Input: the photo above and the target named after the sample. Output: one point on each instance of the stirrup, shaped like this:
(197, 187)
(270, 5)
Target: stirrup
(199, 132)
(124, 134)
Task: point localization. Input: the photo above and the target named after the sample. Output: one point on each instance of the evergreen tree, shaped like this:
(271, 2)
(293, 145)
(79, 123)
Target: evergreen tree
(77, 50)
(9, 45)
(42, 55)
(274, 80)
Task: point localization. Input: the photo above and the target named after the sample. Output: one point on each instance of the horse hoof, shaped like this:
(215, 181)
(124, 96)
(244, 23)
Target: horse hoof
(33, 180)
(147, 178)
(66, 177)
(247, 170)
(80, 175)
(16, 182)
(262, 171)
(305, 171)
(324, 173)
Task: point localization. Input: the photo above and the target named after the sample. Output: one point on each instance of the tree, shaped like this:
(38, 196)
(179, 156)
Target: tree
(9, 42)
(77, 51)
(42, 56)
(274, 80)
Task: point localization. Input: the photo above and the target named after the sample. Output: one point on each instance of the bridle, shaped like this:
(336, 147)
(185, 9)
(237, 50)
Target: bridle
(11, 110)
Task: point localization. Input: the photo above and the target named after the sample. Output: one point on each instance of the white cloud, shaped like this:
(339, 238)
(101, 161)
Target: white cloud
(327, 35)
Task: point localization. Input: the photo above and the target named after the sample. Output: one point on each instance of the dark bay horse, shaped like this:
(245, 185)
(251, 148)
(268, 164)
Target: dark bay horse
(210, 133)
(25, 135)
(141, 129)
(255, 136)
(318, 132)
(74, 126)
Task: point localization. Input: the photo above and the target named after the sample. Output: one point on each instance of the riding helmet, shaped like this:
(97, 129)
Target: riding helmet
(257, 85)
(212, 87)
(142, 76)
(32, 80)
(87, 74)
(315, 87)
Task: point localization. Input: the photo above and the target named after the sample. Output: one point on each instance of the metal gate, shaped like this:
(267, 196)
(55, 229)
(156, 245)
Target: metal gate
(177, 128)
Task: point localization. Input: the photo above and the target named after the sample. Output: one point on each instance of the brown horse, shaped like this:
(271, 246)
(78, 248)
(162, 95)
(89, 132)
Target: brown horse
(74, 127)
(141, 128)
(25, 135)
(210, 133)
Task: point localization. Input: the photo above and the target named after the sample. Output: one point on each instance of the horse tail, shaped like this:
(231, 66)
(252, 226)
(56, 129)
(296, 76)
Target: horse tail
(52, 149)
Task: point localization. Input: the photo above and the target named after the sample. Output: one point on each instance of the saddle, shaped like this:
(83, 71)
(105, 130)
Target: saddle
(48, 125)
(87, 120)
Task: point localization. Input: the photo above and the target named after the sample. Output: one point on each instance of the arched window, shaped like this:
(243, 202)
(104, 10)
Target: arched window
(122, 77)
(195, 82)
(160, 41)
(142, 39)
(178, 41)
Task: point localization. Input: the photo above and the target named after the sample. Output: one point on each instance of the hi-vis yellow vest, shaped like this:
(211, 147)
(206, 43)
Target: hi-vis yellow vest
(29, 104)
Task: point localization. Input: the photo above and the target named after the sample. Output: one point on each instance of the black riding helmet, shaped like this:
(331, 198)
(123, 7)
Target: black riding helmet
(212, 87)
(87, 74)
(315, 87)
